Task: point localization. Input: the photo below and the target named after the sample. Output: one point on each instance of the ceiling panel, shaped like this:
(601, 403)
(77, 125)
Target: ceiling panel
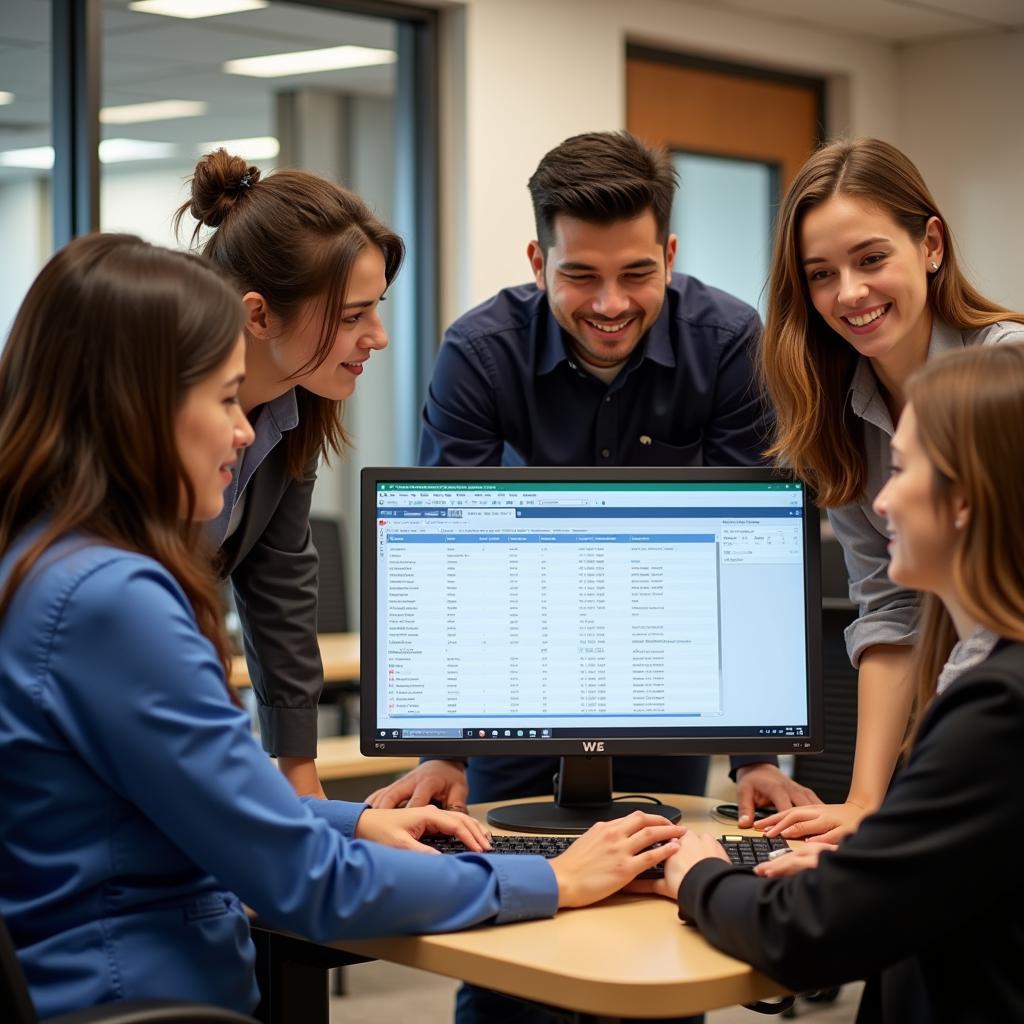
(280, 23)
(25, 71)
(1000, 12)
(25, 20)
(894, 21)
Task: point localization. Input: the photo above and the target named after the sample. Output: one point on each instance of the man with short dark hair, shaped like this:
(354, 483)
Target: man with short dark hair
(607, 359)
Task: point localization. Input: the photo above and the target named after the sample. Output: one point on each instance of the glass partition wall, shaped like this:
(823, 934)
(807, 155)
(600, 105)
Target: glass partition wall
(26, 151)
(137, 90)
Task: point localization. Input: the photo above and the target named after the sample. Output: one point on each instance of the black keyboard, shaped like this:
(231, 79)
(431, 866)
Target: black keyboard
(745, 851)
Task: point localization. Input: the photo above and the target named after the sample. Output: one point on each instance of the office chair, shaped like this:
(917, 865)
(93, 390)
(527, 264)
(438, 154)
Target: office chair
(18, 1009)
(332, 605)
(829, 772)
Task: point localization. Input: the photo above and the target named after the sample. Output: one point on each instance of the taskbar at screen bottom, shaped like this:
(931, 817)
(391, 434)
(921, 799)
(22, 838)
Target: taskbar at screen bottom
(539, 734)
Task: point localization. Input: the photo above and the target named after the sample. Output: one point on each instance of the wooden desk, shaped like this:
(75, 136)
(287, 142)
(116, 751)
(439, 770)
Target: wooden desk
(628, 956)
(338, 757)
(340, 653)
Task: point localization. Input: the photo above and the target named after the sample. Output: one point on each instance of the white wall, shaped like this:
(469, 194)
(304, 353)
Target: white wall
(960, 120)
(142, 202)
(25, 225)
(522, 76)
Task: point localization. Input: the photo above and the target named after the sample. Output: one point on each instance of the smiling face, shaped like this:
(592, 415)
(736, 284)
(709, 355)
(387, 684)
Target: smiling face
(209, 430)
(605, 283)
(868, 278)
(922, 527)
(359, 333)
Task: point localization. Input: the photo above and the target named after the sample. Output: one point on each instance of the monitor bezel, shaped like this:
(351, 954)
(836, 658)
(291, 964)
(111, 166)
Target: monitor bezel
(373, 745)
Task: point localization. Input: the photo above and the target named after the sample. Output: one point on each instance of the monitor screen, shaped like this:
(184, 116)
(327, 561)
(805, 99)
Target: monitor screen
(555, 611)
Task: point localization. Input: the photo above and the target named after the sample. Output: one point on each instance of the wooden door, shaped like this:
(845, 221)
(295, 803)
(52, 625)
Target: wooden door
(698, 106)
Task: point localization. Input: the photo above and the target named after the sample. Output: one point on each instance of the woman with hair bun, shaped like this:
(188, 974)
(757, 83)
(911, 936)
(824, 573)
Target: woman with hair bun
(311, 263)
(865, 288)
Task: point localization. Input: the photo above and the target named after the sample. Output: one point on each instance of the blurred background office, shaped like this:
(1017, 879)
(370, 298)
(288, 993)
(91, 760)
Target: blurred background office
(438, 112)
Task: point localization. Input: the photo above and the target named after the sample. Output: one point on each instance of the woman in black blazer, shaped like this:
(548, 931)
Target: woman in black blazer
(926, 899)
(311, 263)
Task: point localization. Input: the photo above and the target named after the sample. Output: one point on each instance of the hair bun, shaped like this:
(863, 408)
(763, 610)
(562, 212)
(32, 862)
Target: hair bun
(218, 182)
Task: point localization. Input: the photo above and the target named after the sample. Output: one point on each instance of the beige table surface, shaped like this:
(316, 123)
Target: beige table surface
(629, 956)
(338, 757)
(339, 651)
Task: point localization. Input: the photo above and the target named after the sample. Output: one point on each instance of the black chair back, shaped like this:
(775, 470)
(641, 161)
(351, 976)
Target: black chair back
(332, 605)
(14, 994)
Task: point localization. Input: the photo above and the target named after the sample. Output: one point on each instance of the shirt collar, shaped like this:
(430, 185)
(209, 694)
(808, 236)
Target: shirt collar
(655, 345)
(284, 411)
(269, 425)
(866, 398)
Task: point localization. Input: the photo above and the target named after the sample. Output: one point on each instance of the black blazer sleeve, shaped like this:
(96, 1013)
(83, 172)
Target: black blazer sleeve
(927, 872)
(273, 568)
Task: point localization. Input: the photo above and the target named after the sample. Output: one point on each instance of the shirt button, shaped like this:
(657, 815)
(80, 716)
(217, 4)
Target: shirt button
(607, 399)
(605, 453)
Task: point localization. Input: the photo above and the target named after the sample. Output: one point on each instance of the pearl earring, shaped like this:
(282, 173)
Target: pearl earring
(933, 266)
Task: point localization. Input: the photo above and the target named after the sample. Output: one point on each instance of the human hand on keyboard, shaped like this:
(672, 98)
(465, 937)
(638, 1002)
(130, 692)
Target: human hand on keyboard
(610, 854)
(799, 859)
(405, 827)
(692, 847)
(443, 782)
(826, 822)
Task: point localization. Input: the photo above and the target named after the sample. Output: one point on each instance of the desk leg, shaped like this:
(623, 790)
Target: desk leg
(292, 977)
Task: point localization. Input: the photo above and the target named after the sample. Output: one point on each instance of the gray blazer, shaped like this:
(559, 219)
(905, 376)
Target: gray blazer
(273, 568)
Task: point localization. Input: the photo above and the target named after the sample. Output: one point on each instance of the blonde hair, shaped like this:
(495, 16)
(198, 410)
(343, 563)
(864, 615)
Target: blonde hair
(969, 408)
(806, 368)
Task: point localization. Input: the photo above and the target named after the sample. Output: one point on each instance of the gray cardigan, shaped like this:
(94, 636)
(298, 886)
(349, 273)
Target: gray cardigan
(887, 613)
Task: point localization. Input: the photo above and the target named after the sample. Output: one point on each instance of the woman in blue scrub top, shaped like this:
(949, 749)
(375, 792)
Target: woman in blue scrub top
(138, 814)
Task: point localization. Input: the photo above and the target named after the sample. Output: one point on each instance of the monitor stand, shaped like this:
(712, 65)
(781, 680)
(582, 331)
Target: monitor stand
(583, 796)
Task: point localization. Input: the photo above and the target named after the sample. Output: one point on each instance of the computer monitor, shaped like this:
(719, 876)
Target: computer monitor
(583, 613)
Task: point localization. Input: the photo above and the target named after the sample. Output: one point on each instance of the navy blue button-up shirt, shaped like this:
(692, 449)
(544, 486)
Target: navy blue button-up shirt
(507, 390)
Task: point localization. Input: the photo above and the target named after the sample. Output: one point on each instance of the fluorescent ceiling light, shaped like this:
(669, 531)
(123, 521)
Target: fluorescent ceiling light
(37, 158)
(159, 110)
(119, 151)
(260, 147)
(5, 98)
(196, 8)
(305, 62)
(112, 151)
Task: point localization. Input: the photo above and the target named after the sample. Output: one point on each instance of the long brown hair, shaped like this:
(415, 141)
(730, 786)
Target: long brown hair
(969, 408)
(291, 237)
(805, 366)
(109, 339)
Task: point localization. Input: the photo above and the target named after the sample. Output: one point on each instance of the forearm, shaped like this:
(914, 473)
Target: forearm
(301, 773)
(884, 698)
